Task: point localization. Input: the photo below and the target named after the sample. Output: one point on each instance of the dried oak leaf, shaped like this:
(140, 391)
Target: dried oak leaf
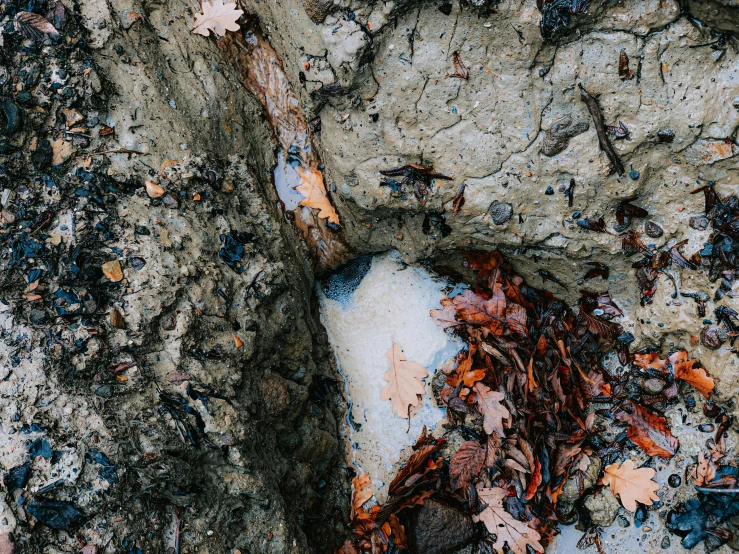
(683, 369)
(311, 186)
(649, 431)
(474, 309)
(631, 484)
(414, 466)
(704, 471)
(34, 26)
(466, 464)
(624, 72)
(218, 16)
(404, 382)
(360, 492)
(507, 530)
(492, 411)
(460, 70)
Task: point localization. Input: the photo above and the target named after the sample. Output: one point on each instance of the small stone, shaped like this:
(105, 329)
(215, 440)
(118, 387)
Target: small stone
(623, 522)
(13, 118)
(706, 427)
(699, 222)
(116, 319)
(634, 174)
(112, 270)
(227, 187)
(317, 10)
(711, 337)
(653, 229)
(674, 480)
(169, 321)
(439, 529)
(106, 391)
(89, 549)
(275, 394)
(603, 507)
(549, 191)
(665, 135)
(141, 230)
(137, 263)
(665, 544)
(170, 201)
(37, 317)
(154, 190)
(500, 212)
(735, 102)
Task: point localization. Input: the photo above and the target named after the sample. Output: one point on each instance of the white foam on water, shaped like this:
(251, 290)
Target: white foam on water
(390, 305)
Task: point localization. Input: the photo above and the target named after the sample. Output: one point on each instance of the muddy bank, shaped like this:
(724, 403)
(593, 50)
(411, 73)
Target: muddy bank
(167, 381)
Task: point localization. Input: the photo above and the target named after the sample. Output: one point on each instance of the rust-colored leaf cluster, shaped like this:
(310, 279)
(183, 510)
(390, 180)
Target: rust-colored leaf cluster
(533, 398)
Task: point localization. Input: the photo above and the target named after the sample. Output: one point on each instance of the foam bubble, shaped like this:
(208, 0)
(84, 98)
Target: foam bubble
(390, 304)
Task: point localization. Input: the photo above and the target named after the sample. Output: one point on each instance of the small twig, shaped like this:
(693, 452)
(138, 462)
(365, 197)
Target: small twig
(120, 151)
(720, 491)
(600, 128)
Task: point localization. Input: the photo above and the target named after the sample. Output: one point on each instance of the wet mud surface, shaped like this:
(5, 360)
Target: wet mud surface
(167, 382)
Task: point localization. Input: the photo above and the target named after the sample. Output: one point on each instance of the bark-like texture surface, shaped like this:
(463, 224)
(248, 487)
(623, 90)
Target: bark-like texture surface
(205, 419)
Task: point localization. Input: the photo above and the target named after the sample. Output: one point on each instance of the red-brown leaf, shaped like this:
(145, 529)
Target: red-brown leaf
(466, 464)
(649, 431)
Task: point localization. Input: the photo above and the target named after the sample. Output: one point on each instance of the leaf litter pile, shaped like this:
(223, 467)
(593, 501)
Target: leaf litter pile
(537, 408)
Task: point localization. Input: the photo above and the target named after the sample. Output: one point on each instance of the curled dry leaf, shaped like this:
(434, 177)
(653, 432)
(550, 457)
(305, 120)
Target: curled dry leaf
(649, 431)
(507, 530)
(34, 26)
(624, 72)
(218, 16)
(683, 369)
(460, 70)
(404, 382)
(631, 484)
(466, 464)
(312, 187)
(360, 492)
(493, 412)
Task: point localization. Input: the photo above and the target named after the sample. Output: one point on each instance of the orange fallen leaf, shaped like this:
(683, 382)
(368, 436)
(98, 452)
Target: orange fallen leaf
(112, 270)
(683, 369)
(360, 492)
(404, 382)
(507, 530)
(238, 341)
(312, 187)
(631, 484)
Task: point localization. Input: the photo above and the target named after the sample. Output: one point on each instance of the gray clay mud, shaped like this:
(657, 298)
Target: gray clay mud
(166, 382)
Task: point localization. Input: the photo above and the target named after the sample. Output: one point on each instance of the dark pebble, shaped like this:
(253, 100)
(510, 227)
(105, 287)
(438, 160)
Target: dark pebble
(500, 212)
(38, 317)
(623, 522)
(665, 544)
(549, 191)
(699, 222)
(137, 263)
(445, 8)
(141, 230)
(653, 230)
(711, 409)
(711, 337)
(170, 201)
(634, 174)
(706, 427)
(666, 135)
(106, 391)
(674, 480)
(13, 118)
